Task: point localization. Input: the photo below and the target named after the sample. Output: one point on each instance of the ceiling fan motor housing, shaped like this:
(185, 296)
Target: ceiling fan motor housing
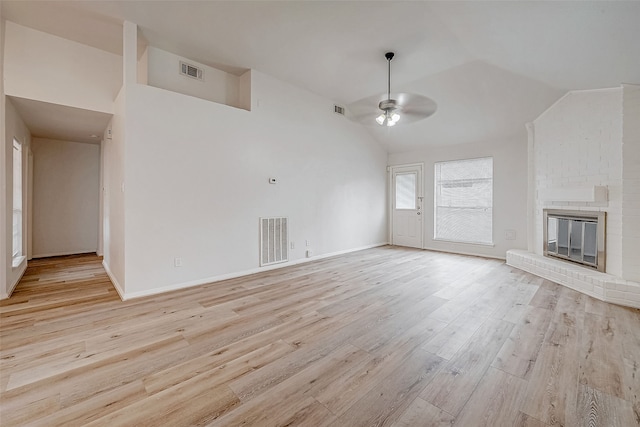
(388, 104)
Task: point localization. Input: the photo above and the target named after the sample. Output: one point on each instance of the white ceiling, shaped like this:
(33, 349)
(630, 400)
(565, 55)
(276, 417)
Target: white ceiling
(490, 66)
(53, 121)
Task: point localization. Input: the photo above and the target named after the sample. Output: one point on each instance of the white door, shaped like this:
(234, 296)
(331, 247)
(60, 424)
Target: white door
(406, 205)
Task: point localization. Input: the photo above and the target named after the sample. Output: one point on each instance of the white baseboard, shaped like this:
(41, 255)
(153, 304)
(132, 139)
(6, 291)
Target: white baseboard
(78, 252)
(503, 258)
(115, 282)
(22, 267)
(131, 295)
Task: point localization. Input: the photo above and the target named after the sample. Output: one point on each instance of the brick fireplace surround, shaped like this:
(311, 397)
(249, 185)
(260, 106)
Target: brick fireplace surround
(586, 142)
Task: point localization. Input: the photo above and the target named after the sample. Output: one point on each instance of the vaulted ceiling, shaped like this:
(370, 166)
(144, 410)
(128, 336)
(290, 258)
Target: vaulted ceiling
(490, 66)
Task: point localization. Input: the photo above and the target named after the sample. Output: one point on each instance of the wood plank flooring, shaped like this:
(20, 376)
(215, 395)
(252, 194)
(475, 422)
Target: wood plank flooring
(383, 337)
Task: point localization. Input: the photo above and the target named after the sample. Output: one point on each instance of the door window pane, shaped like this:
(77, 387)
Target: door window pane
(406, 190)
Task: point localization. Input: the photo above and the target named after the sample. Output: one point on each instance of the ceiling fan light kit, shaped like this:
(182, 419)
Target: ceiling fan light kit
(388, 118)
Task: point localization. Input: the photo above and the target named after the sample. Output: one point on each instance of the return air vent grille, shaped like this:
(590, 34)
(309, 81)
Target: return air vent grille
(338, 109)
(191, 71)
(274, 238)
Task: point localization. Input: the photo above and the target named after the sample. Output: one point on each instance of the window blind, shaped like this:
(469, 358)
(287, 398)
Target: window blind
(464, 201)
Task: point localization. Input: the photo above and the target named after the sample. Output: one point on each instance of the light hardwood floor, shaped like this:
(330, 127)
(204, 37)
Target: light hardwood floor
(387, 336)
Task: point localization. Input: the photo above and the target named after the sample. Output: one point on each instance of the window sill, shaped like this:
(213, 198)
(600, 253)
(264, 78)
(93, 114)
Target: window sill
(491, 245)
(17, 261)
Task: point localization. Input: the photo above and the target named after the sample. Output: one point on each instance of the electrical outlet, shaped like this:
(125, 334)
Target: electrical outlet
(177, 262)
(309, 253)
(308, 242)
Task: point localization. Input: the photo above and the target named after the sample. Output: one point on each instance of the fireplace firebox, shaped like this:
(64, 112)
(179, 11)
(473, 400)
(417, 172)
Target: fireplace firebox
(575, 236)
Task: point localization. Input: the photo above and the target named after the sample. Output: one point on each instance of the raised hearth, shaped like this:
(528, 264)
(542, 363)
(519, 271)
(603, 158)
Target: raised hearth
(603, 286)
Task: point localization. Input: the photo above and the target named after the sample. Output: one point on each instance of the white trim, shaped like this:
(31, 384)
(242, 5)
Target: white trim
(77, 252)
(465, 243)
(208, 280)
(23, 267)
(406, 165)
(571, 92)
(531, 186)
(17, 260)
(114, 281)
(448, 251)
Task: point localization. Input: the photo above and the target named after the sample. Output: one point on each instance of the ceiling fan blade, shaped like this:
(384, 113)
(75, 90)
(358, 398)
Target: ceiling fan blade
(365, 110)
(416, 106)
(413, 107)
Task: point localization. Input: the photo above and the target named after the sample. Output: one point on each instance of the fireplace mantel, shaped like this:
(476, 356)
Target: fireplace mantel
(589, 194)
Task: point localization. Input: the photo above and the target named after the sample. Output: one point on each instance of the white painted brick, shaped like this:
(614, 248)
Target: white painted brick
(630, 197)
(630, 212)
(628, 296)
(631, 186)
(629, 303)
(631, 231)
(633, 288)
(631, 154)
(629, 206)
(619, 286)
(586, 286)
(631, 245)
(615, 294)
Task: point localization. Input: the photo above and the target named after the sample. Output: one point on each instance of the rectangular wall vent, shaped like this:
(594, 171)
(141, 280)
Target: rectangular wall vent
(274, 238)
(338, 109)
(191, 71)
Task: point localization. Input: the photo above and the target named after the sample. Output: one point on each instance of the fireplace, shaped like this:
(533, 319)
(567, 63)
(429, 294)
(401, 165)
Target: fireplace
(575, 236)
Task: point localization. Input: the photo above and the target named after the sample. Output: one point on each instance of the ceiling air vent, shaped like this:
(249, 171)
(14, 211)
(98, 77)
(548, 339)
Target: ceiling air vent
(338, 109)
(191, 71)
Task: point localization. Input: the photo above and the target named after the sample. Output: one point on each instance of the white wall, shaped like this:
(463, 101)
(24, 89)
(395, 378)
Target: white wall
(197, 182)
(578, 142)
(14, 128)
(509, 191)
(113, 196)
(631, 182)
(65, 72)
(163, 70)
(66, 179)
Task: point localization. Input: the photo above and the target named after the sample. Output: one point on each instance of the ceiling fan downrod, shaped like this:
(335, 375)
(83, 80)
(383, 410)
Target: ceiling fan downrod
(389, 56)
(389, 116)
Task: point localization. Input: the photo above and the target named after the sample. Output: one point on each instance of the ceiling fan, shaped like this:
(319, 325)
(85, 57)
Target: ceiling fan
(403, 107)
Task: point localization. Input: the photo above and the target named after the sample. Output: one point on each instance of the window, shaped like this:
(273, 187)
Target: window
(464, 201)
(406, 190)
(17, 199)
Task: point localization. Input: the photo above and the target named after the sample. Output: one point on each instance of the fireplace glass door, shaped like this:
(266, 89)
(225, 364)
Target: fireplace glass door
(573, 239)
